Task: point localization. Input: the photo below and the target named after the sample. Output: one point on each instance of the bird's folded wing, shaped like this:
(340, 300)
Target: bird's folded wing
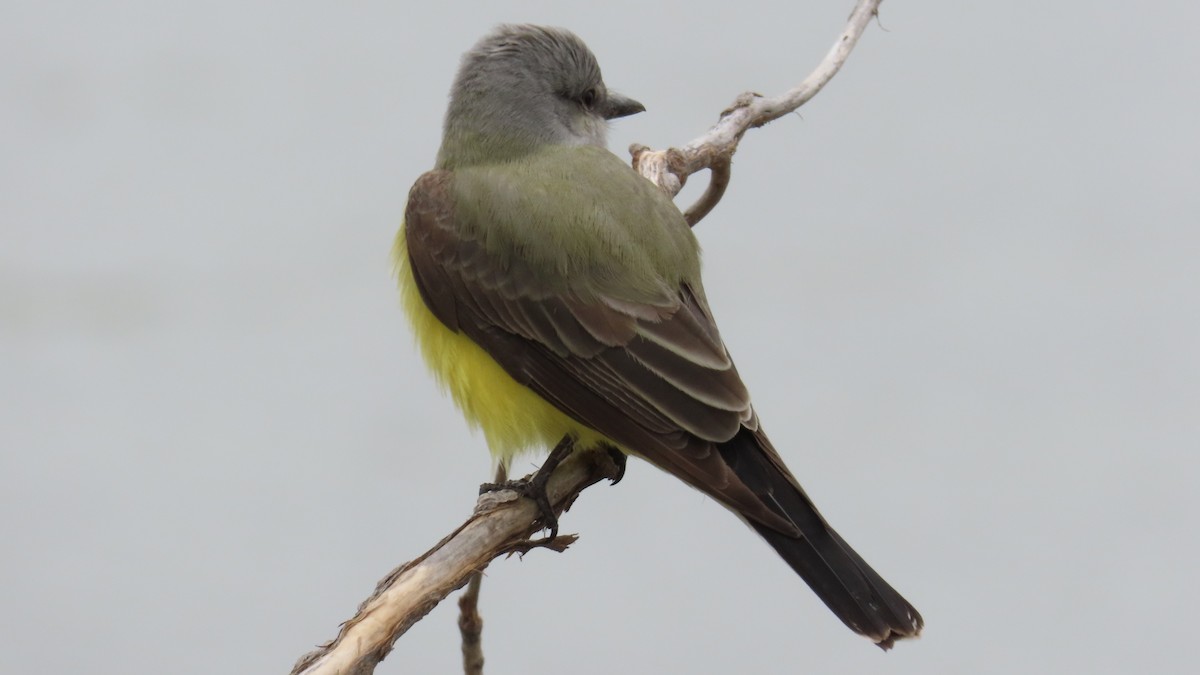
(649, 372)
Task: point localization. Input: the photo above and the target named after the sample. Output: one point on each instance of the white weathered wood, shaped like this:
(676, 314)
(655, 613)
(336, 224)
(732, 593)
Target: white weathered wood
(669, 169)
(501, 524)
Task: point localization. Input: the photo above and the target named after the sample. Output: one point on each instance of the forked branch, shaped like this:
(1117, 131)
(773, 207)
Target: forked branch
(502, 524)
(669, 169)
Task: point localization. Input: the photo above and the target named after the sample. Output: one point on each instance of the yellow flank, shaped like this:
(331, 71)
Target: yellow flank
(512, 417)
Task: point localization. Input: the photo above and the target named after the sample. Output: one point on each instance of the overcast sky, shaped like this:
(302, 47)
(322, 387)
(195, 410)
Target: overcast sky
(961, 284)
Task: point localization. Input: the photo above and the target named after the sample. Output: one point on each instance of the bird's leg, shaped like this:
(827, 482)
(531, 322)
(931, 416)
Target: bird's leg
(535, 487)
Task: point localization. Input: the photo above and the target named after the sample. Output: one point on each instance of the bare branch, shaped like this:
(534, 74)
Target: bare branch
(501, 524)
(470, 625)
(669, 169)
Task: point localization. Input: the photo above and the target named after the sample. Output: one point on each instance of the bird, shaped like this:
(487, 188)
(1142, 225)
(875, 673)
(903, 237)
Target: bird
(556, 295)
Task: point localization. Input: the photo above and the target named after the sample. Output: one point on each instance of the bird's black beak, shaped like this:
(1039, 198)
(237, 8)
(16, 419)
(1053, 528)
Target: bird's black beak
(617, 105)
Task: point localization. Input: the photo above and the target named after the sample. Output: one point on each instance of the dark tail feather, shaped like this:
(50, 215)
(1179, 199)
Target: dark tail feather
(838, 575)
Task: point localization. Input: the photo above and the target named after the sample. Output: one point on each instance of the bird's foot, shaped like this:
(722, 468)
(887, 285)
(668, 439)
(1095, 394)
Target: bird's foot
(534, 487)
(620, 459)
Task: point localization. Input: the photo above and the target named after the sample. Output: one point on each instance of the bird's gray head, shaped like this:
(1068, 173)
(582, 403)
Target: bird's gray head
(522, 87)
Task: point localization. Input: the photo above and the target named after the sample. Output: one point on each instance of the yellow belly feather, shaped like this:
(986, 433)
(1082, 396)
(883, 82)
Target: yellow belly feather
(512, 417)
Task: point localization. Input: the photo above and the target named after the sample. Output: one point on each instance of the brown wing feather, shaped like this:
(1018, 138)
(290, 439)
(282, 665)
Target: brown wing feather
(656, 379)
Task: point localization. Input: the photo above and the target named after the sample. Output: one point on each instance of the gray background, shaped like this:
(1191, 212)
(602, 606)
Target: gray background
(961, 285)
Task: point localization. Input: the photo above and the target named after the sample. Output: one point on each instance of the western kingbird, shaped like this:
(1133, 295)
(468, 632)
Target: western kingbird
(556, 294)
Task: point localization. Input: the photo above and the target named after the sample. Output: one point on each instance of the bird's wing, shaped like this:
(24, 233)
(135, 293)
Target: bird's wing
(625, 346)
(643, 365)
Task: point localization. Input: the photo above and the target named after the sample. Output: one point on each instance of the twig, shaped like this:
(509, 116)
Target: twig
(470, 623)
(501, 524)
(669, 169)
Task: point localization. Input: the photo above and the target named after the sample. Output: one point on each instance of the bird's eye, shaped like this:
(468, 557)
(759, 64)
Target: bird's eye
(589, 98)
